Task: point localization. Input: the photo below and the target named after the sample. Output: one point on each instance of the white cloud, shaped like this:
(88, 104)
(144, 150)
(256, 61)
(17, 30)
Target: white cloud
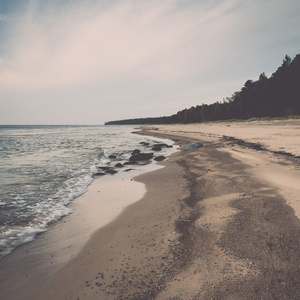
(147, 39)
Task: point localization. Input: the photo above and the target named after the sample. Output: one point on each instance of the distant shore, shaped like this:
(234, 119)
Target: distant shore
(217, 222)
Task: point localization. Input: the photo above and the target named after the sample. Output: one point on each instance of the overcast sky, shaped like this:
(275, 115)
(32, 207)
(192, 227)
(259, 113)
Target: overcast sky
(88, 61)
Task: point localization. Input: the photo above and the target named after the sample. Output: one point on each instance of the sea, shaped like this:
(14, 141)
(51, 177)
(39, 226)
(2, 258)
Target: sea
(44, 168)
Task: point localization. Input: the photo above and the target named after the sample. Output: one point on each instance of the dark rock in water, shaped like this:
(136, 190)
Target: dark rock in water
(156, 148)
(136, 151)
(195, 145)
(130, 163)
(112, 156)
(163, 145)
(144, 143)
(160, 145)
(111, 171)
(141, 157)
(119, 165)
(127, 170)
(160, 158)
(99, 174)
(103, 168)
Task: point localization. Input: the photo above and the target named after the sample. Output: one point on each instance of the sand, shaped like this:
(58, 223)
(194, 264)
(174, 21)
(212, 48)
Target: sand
(29, 267)
(218, 222)
(276, 135)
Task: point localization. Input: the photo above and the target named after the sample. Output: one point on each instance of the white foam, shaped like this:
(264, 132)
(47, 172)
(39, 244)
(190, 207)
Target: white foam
(17, 235)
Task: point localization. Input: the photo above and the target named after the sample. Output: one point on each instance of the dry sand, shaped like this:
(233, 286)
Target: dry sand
(218, 222)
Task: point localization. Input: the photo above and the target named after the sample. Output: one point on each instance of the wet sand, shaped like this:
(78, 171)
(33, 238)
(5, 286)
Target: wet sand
(29, 267)
(218, 222)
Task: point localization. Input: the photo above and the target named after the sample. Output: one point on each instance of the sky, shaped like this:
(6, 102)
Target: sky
(92, 61)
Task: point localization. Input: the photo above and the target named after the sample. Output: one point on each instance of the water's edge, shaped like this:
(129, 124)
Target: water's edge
(30, 266)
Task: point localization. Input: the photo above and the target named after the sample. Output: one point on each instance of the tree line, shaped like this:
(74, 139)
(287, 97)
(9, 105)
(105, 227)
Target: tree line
(277, 96)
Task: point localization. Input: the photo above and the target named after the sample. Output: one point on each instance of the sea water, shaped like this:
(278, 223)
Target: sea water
(44, 168)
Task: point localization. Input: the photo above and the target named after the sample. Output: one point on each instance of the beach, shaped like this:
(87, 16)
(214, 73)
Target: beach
(217, 222)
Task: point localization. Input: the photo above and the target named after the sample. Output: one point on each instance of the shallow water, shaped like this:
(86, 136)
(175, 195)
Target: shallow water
(44, 168)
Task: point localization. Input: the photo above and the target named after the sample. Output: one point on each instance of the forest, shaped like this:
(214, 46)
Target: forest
(277, 96)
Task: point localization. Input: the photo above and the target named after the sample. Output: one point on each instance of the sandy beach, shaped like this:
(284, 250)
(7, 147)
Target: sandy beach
(217, 222)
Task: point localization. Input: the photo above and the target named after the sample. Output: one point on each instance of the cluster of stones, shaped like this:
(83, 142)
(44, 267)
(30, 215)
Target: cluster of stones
(137, 157)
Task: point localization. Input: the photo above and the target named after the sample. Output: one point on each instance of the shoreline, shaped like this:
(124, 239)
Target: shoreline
(110, 252)
(31, 265)
(216, 222)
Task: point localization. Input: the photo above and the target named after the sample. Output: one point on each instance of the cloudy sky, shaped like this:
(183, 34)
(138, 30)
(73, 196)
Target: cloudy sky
(91, 61)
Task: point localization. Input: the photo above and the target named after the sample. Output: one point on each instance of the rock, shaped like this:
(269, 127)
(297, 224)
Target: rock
(99, 174)
(163, 145)
(195, 145)
(156, 148)
(112, 156)
(127, 170)
(144, 143)
(136, 151)
(103, 168)
(160, 158)
(119, 165)
(160, 145)
(111, 171)
(141, 157)
(130, 163)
